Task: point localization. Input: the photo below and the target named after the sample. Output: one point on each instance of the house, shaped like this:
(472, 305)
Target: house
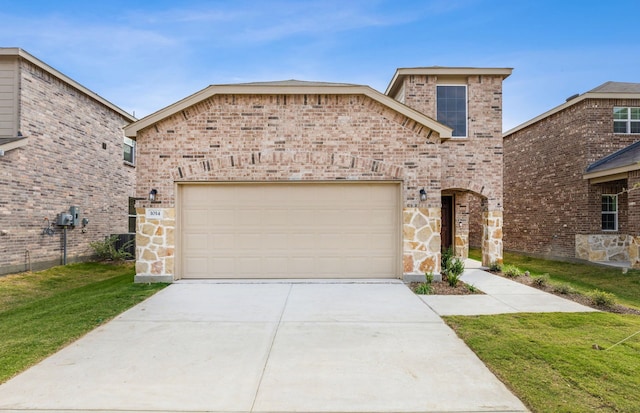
(311, 179)
(61, 146)
(571, 176)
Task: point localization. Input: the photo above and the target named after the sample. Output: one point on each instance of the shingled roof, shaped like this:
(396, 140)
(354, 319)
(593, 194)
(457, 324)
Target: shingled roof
(625, 160)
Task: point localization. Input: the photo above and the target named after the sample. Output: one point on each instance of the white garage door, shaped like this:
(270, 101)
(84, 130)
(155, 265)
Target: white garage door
(289, 230)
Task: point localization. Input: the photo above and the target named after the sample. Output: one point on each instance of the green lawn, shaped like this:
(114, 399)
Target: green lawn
(583, 277)
(548, 360)
(44, 311)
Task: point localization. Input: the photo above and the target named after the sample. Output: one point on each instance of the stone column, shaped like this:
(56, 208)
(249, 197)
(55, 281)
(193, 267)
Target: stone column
(421, 243)
(491, 237)
(155, 245)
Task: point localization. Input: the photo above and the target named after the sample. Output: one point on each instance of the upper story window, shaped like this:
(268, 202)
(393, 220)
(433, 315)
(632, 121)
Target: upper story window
(626, 120)
(451, 108)
(129, 150)
(609, 212)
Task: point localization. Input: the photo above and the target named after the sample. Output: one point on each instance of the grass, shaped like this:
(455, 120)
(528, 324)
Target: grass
(582, 277)
(548, 361)
(43, 312)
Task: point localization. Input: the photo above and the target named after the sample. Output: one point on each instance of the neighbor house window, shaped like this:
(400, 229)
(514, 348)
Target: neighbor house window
(451, 105)
(129, 150)
(132, 215)
(626, 120)
(609, 212)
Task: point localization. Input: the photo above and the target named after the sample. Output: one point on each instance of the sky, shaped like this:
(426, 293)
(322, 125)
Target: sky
(145, 55)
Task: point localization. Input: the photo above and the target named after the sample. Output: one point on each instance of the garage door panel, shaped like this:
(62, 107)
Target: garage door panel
(290, 230)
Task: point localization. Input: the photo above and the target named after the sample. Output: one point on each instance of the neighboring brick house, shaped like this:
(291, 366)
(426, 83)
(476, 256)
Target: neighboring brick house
(309, 179)
(567, 173)
(61, 145)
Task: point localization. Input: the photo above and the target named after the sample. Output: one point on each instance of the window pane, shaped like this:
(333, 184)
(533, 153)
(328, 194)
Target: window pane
(635, 113)
(619, 127)
(128, 153)
(620, 113)
(451, 105)
(635, 127)
(132, 225)
(609, 222)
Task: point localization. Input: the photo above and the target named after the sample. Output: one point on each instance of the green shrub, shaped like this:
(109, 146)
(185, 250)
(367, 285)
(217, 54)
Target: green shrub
(429, 277)
(472, 288)
(422, 288)
(511, 271)
(445, 261)
(602, 298)
(541, 280)
(455, 270)
(495, 267)
(106, 250)
(564, 289)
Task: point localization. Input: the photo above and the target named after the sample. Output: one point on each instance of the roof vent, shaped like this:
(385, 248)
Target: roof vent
(572, 97)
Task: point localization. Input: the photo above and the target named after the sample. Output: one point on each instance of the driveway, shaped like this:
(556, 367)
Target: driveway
(273, 346)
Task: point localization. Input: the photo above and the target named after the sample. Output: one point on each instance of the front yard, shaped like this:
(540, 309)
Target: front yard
(44, 311)
(561, 362)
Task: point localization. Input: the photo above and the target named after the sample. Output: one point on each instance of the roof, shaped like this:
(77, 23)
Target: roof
(14, 51)
(288, 87)
(7, 144)
(444, 71)
(625, 160)
(607, 90)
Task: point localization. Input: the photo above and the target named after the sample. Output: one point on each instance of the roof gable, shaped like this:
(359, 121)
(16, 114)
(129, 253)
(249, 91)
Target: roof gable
(607, 90)
(288, 87)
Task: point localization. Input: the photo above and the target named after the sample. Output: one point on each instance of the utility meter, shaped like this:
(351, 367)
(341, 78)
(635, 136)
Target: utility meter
(75, 214)
(64, 219)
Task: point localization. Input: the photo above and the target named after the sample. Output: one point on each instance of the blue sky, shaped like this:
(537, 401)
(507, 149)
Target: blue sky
(145, 55)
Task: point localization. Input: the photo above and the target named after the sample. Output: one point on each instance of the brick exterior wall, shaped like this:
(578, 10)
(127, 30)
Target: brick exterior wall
(547, 201)
(63, 164)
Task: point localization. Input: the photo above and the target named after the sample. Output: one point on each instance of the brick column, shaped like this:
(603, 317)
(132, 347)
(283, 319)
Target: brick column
(491, 237)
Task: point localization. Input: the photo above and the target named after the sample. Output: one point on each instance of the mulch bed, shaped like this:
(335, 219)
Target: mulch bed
(443, 288)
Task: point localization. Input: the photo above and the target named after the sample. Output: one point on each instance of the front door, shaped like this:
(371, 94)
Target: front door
(446, 229)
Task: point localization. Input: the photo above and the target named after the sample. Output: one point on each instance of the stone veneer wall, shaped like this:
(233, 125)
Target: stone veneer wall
(155, 246)
(492, 238)
(604, 247)
(421, 240)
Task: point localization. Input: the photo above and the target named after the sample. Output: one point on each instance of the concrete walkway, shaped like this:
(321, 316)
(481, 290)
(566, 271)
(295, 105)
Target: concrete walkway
(501, 296)
(266, 347)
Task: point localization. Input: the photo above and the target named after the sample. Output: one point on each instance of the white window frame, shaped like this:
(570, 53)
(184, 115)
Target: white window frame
(628, 121)
(132, 144)
(614, 213)
(466, 107)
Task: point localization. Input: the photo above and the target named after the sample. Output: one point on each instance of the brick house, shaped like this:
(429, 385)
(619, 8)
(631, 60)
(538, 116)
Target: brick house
(567, 175)
(310, 179)
(61, 145)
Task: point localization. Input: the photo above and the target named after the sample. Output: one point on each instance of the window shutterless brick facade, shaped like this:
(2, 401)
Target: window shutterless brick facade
(72, 157)
(550, 208)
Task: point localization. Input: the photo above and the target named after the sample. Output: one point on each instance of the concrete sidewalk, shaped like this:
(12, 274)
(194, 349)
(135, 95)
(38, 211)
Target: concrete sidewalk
(266, 347)
(500, 296)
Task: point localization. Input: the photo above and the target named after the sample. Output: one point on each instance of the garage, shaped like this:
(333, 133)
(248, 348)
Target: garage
(289, 230)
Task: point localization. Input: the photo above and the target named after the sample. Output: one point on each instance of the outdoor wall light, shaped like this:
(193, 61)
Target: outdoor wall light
(423, 195)
(153, 194)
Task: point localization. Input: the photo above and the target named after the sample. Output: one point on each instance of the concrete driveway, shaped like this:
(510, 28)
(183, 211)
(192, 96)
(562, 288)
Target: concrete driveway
(274, 346)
